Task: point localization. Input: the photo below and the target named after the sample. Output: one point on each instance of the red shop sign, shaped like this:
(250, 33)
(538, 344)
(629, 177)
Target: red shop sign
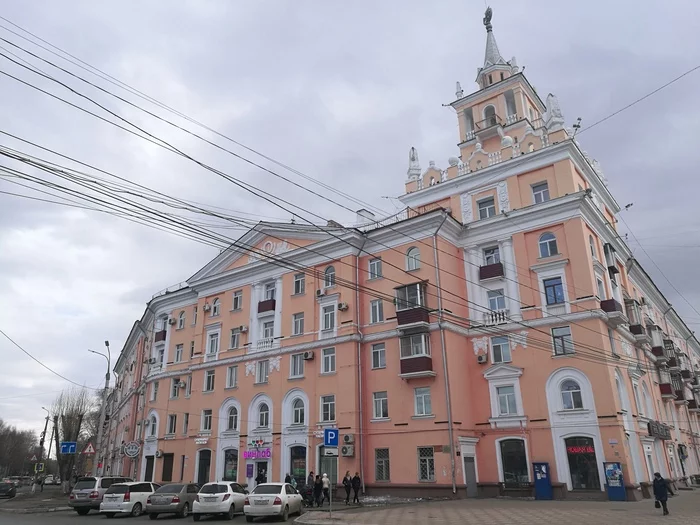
(586, 449)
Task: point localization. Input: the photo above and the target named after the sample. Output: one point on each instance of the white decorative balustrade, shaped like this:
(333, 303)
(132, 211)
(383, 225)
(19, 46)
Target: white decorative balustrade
(511, 119)
(496, 317)
(495, 157)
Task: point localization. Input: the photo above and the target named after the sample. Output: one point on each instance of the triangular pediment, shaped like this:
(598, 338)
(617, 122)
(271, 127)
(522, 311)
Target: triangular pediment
(502, 371)
(274, 239)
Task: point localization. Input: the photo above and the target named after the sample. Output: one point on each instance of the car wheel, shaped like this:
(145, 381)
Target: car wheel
(231, 512)
(285, 514)
(136, 510)
(196, 517)
(249, 519)
(82, 512)
(185, 511)
(153, 516)
(109, 515)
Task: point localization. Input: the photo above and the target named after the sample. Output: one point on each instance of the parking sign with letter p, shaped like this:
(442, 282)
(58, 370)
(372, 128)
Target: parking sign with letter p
(330, 437)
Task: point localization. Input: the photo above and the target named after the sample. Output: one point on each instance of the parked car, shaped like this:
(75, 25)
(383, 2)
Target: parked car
(273, 499)
(48, 480)
(219, 497)
(88, 492)
(127, 498)
(16, 481)
(7, 489)
(174, 498)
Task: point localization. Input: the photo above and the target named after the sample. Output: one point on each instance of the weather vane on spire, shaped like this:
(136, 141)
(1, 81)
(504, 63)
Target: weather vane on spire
(487, 19)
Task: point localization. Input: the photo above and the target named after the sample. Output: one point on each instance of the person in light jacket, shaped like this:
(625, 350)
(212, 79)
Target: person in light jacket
(326, 487)
(661, 492)
(347, 483)
(356, 484)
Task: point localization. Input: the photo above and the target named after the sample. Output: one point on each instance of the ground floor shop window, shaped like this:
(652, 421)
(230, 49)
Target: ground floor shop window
(583, 467)
(329, 465)
(297, 467)
(514, 462)
(231, 465)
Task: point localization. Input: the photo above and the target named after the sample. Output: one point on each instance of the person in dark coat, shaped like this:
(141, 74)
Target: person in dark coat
(288, 479)
(347, 483)
(661, 491)
(318, 491)
(261, 478)
(310, 479)
(356, 484)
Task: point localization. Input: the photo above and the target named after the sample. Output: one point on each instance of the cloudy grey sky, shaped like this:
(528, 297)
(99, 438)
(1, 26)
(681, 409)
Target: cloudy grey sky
(338, 90)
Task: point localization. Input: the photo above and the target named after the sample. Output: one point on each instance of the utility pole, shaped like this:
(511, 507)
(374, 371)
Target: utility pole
(43, 437)
(100, 431)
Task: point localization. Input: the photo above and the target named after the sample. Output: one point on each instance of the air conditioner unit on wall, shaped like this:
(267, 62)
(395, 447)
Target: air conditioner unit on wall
(348, 438)
(347, 451)
(342, 306)
(482, 358)
(152, 361)
(320, 292)
(243, 328)
(206, 307)
(171, 320)
(159, 453)
(308, 355)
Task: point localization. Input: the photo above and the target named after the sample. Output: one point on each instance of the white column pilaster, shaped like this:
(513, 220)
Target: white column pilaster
(511, 275)
(473, 290)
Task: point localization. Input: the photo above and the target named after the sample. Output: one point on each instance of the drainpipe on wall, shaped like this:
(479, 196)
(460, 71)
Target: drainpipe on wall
(359, 363)
(448, 399)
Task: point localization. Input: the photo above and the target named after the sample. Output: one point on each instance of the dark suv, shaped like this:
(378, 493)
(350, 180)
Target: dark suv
(88, 492)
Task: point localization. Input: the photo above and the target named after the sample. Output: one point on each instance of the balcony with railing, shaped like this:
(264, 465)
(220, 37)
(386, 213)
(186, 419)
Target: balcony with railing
(413, 317)
(268, 305)
(416, 367)
(666, 391)
(489, 127)
(266, 343)
(616, 314)
(495, 317)
(634, 315)
(160, 336)
(512, 119)
(687, 375)
(491, 271)
(416, 360)
(693, 405)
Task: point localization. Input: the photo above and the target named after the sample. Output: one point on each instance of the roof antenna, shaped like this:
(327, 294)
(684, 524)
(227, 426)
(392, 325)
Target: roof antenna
(577, 126)
(293, 221)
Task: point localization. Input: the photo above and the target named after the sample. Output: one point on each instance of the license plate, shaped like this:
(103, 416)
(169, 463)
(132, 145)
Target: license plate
(260, 502)
(81, 495)
(210, 499)
(159, 501)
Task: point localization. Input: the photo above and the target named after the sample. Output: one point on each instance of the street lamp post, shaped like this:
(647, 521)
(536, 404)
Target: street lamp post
(100, 431)
(43, 436)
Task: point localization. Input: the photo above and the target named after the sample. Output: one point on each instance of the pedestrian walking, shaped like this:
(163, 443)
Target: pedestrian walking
(288, 478)
(293, 483)
(661, 493)
(326, 487)
(356, 484)
(310, 479)
(347, 483)
(261, 478)
(42, 481)
(318, 491)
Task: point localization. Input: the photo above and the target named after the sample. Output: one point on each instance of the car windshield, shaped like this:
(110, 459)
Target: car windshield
(213, 489)
(267, 489)
(170, 489)
(85, 483)
(118, 489)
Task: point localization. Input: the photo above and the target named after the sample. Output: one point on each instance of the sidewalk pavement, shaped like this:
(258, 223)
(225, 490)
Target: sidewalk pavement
(684, 509)
(51, 500)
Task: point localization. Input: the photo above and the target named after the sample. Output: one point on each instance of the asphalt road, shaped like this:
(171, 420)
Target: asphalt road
(71, 518)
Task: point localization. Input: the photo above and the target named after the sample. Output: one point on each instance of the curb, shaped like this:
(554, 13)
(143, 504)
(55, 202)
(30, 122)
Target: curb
(36, 510)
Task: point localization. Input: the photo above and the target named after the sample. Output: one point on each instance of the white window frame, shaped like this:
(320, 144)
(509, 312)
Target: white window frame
(172, 424)
(298, 323)
(548, 271)
(510, 396)
(492, 255)
(490, 210)
(374, 268)
(380, 405)
(237, 300)
(328, 317)
(185, 423)
(236, 419)
(178, 353)
(600, 287)
(505, 375)
(268, 327)
(154, 391)
(406, 303)
(262, 371)
(181, 320)
(498, 296)
(232, 376)
(206, 420)
(213, 336)
(420, 394)
(500, 342)
(174, 388)
(571, 395)
(235, 341)
(329, 277)
(296, 366)
(153, 426)
(270, 291)
(378, 350)
(195, 311)
(328, 399)
(188, 386)
(298, 413)
(209, 374)
(215, 307)
(328, 360)
(263, 422)
(191, 349)
(571, 347)
(593, 248)
(376, 311)
(299, 284)
(540, 190)
(548, 243)
(425, 345)
(413, 259)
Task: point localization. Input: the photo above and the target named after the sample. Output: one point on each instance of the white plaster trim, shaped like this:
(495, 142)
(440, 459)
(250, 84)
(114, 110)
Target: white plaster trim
(499, 459)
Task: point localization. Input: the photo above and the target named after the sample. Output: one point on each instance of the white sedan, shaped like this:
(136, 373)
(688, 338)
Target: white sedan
(126, 498)
(272, 499)
(219, 497)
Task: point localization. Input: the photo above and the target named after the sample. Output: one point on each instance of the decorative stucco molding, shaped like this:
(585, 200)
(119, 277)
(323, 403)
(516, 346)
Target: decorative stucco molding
(503, 200)
(466, 204)
(481, 345)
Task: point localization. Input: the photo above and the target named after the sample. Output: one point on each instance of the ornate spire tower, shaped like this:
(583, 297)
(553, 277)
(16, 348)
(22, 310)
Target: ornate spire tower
(495, 68)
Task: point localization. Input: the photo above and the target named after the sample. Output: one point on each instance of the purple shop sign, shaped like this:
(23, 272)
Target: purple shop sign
(258, 453)
(249, 470)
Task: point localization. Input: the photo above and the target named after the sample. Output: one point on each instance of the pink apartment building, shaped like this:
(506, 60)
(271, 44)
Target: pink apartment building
(499, 321)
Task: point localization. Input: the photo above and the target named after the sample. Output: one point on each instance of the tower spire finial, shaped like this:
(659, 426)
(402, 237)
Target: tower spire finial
(487, 19)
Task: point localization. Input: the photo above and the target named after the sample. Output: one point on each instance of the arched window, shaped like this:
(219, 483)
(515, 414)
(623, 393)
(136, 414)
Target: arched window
(181, 320)
(232, 419)
(329, 277)
(548, 245)
(648, 405)
(413, 259)
(571, 395)
(591, 244)
(153, 427)
(263, 416)
(298, 412)
(489, 116)
(215, 308)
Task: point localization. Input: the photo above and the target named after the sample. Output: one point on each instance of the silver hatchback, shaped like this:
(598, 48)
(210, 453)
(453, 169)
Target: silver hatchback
(174, 498)
(88, 492)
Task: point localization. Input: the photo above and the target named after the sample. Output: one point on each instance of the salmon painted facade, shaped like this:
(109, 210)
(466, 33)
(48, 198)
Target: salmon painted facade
(498, 322)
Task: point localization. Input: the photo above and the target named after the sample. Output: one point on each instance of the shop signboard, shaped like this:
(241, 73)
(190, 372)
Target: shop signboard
(658, 430)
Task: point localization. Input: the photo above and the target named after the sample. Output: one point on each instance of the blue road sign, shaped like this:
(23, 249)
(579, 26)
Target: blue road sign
(69, 447)
(330, 437)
